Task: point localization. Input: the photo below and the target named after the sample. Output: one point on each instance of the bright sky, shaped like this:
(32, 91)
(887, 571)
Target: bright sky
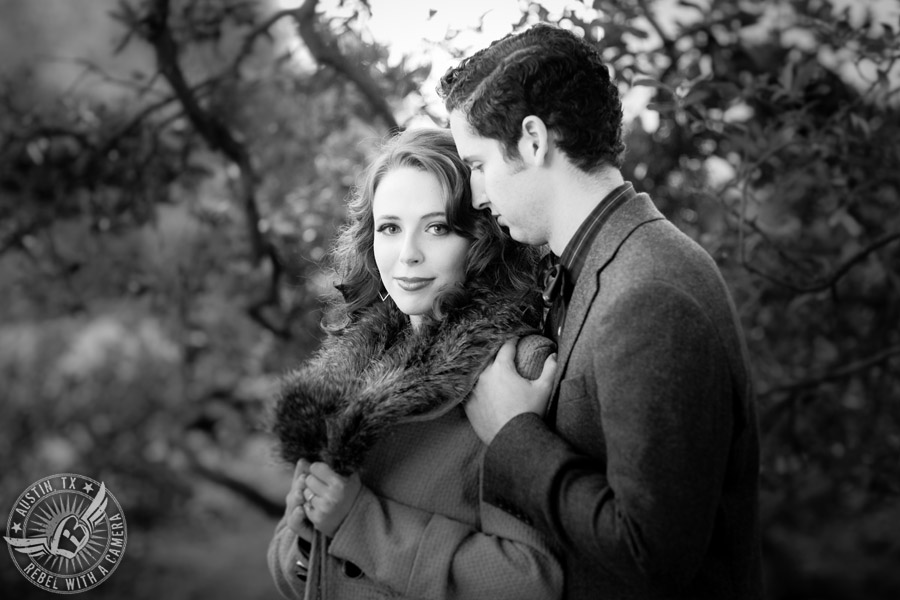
(406, 23)
(416, 27)
(411, 26)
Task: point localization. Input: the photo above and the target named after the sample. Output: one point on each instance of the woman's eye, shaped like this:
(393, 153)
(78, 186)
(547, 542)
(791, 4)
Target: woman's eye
(439, 228)
(388, 228)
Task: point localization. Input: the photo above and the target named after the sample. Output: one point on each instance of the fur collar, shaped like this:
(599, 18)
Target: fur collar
(378, 373)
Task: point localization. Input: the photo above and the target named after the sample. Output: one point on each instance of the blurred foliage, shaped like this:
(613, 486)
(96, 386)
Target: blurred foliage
(159, 249)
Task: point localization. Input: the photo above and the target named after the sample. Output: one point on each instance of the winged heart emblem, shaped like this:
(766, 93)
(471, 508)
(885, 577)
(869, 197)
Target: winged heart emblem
(69, 536)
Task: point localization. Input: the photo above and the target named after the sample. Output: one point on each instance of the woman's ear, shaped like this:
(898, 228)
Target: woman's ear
(534, 145)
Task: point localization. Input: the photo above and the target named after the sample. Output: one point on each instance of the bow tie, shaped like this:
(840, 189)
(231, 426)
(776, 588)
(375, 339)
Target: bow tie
(553, 277)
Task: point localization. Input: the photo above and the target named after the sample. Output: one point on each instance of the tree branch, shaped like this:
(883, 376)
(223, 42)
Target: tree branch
(831, 280)
(250, 39)
(326, 52)
(213, 131)
(245, 490)
(836, 374)
(256, 309)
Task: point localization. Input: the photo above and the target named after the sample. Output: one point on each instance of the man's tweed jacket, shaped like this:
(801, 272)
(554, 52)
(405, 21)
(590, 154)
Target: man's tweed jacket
(648, 477)
(385, 402)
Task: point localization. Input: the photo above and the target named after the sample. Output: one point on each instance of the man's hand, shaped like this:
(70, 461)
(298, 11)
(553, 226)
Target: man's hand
(329, 497)
(501, 393)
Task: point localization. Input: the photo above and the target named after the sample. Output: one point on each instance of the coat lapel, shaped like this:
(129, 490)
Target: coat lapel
(621, 224)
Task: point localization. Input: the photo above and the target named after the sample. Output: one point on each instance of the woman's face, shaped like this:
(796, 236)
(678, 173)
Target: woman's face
(416, 252)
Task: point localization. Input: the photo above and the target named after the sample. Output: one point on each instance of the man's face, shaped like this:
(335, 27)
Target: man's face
(512, 190)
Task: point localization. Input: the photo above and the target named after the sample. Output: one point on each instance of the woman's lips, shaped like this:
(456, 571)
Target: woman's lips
(412, 284)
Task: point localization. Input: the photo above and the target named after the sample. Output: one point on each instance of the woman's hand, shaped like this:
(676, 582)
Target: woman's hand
(329, 497)
(294, 512)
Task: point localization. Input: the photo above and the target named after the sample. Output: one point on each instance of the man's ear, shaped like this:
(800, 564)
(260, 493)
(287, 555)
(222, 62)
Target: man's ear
(534, 145)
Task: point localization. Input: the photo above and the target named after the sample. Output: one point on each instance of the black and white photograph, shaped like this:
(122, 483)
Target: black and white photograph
(450, 300)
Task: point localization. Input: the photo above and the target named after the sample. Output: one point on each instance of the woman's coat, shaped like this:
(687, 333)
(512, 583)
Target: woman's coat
(385, 401)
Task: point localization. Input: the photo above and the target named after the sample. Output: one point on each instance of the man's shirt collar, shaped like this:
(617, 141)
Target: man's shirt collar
(573, 258)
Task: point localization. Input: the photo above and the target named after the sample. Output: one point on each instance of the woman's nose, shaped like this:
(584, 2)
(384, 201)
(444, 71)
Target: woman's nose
(411, 253)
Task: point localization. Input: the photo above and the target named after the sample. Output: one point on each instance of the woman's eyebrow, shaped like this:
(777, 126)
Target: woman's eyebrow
(430, 215)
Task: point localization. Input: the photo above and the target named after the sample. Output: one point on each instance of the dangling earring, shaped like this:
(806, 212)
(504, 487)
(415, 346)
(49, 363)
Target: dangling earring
(386, 295)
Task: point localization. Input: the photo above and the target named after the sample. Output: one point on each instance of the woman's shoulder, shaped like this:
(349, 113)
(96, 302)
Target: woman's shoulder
(513, 306)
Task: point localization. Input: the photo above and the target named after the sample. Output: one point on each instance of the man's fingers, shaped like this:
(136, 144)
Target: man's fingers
(547, 373)
(507, 353)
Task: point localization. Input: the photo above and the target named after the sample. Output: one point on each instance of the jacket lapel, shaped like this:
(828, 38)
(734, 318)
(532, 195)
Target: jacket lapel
(621, 224)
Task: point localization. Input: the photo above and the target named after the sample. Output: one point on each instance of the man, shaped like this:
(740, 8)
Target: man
(645, 468)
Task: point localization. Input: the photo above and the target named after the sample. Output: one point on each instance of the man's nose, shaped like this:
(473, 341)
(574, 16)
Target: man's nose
(479, 197)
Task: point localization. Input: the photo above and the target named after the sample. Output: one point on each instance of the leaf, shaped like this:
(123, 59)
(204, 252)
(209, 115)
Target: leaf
(861, 124)
(694, 5)
(695, 96)
(661, 107)
(638, 33)
(787, 76)
(648, 82)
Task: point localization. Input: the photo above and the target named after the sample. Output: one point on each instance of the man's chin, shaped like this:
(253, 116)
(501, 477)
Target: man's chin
(521, 236)
(514, 233)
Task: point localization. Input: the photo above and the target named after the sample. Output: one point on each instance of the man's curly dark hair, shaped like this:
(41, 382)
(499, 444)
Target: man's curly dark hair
(548, 72)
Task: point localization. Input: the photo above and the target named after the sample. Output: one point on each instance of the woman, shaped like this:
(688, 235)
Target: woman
(387, 466)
